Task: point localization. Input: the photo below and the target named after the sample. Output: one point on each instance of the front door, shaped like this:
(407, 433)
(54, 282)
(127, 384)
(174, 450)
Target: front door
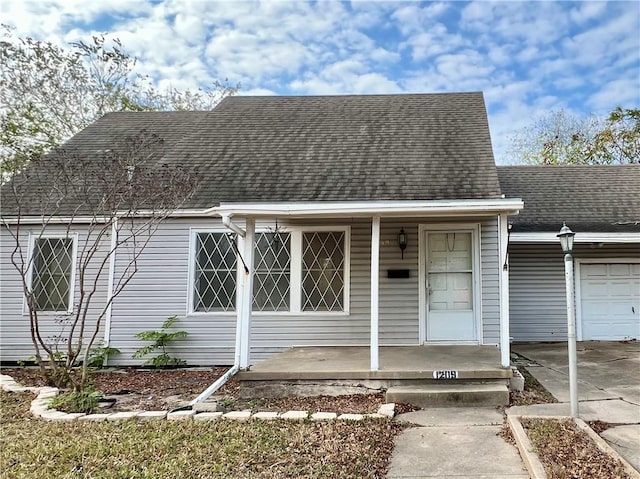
(450, 286)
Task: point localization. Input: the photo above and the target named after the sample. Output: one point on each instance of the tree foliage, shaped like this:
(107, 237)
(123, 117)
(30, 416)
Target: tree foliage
(49, 93)
(561, 138)
(118, 197)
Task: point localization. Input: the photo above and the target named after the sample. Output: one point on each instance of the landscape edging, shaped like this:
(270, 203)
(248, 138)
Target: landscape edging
(530, 458)
(40, 408)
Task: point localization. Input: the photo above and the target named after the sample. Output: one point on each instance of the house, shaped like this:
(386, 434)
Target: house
(378, 221)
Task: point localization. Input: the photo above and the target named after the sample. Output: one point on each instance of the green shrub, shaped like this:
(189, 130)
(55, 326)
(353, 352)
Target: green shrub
(160, 340)
(98, 356)
(85, 400)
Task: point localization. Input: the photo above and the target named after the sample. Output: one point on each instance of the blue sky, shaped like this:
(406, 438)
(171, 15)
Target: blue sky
(527, 57)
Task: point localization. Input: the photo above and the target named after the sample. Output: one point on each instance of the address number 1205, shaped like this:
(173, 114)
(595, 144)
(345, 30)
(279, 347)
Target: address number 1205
(445, 375)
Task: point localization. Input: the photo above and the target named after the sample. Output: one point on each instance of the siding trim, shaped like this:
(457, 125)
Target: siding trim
(474, 229)
(578, 283)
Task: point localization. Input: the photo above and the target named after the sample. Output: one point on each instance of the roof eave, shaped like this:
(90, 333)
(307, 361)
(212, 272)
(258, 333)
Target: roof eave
(509, 206)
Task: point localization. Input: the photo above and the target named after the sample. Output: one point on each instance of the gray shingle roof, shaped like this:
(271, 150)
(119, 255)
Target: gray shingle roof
(318, 148)
(342, 148)
(589, 198)
(92, 144)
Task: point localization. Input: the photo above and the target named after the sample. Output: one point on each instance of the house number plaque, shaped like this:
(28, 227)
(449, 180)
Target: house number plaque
(445, 375)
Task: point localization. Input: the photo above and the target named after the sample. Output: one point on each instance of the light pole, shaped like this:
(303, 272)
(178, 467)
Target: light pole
(566, 241)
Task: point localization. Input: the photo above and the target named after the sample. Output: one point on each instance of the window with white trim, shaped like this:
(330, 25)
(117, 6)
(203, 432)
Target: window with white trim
(323, 271)
(301, 270)
(214, 281)
(272, 278)
(52, 273)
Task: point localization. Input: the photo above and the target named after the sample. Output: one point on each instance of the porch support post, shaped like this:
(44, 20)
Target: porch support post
(505, 353)
(375, 275)
(240, 277)
(247, 293)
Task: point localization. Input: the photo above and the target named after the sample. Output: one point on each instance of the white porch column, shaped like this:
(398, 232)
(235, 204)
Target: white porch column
(505, 352)
(247, 293)
(375, 276)
(240, 279)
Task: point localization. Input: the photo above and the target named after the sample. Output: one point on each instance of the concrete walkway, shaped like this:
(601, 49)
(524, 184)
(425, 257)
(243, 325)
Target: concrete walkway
(608, 388)
(455, 442)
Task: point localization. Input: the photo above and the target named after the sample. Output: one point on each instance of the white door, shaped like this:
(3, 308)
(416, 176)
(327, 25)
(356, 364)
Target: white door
(610, 301)
(449, 283)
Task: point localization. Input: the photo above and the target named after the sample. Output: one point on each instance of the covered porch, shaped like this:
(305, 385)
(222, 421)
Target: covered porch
(346, 370)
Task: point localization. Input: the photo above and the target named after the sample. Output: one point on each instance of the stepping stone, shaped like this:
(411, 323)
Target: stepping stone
(323, 416)
(152, 415)
(123, 415)
(388, 409)
(265, 416)
(351, 417)
(180, 415)
(238, 415)
(295, 415)
(94, 417)
(208, 416)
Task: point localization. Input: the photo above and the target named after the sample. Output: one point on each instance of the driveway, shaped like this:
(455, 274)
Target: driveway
(608, 386)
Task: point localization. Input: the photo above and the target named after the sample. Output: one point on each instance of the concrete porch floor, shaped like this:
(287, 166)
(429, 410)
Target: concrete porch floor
(396, 363)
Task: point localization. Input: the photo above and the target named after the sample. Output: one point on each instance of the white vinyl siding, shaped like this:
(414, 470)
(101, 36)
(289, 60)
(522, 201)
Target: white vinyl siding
(538, 310)
(162, 288)
(15, 336)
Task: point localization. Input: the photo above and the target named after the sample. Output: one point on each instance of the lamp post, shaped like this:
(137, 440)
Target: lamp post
(566, 241)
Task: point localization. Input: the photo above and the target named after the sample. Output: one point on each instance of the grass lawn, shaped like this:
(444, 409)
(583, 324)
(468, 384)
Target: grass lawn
(34, 448)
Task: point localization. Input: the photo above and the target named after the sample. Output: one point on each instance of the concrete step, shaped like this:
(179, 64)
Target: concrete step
(439, 395)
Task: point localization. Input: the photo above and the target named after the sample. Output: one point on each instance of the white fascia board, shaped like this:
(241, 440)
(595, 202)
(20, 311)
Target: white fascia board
(551, 237)
(372, 208)
(53, 220)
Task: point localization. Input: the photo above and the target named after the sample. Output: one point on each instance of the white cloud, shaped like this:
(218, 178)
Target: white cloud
(527, 57)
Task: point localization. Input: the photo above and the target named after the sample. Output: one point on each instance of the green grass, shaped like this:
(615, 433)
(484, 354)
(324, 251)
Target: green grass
(33, 448)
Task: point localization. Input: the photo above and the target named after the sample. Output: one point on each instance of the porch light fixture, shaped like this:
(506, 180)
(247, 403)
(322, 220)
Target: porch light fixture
(402, 241)
(566, 239)
(566, 242)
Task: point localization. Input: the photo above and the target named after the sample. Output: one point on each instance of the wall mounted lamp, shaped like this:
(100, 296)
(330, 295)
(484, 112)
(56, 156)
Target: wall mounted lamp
(402, 241)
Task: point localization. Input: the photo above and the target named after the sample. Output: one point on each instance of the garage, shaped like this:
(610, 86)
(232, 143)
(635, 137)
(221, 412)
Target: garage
(608, 300)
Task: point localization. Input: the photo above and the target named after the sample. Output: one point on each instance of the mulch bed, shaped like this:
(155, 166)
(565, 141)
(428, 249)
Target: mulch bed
(136, 389)
(567, 452)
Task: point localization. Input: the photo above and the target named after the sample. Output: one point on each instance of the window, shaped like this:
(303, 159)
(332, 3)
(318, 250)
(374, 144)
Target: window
(271, 281)
(214, 285)
(301, 270)
(52, 273)
(323, 271)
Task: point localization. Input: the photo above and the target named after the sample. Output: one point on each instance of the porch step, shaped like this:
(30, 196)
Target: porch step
(439, 395)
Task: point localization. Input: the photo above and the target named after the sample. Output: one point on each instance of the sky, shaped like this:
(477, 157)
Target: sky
(529, 58)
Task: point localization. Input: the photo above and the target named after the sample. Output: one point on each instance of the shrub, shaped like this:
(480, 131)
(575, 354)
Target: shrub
(84, 400)
(160, 341)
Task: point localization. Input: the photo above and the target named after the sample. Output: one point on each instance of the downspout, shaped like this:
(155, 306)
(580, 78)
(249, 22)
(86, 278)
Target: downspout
(222, 380)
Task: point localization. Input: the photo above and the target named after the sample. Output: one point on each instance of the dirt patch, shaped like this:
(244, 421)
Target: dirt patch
(134, 389)
(566, 452)
(534, 392)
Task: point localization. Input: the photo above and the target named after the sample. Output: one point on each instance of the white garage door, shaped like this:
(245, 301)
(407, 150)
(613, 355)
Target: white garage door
(610, 301)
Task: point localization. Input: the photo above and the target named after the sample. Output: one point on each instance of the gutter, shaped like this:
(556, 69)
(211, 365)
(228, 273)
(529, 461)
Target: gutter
(222, 380)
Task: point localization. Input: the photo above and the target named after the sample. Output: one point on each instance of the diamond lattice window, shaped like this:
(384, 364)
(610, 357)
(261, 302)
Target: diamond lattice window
(323, 271)
(51, 275)
(272, 272)
(215, 273)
